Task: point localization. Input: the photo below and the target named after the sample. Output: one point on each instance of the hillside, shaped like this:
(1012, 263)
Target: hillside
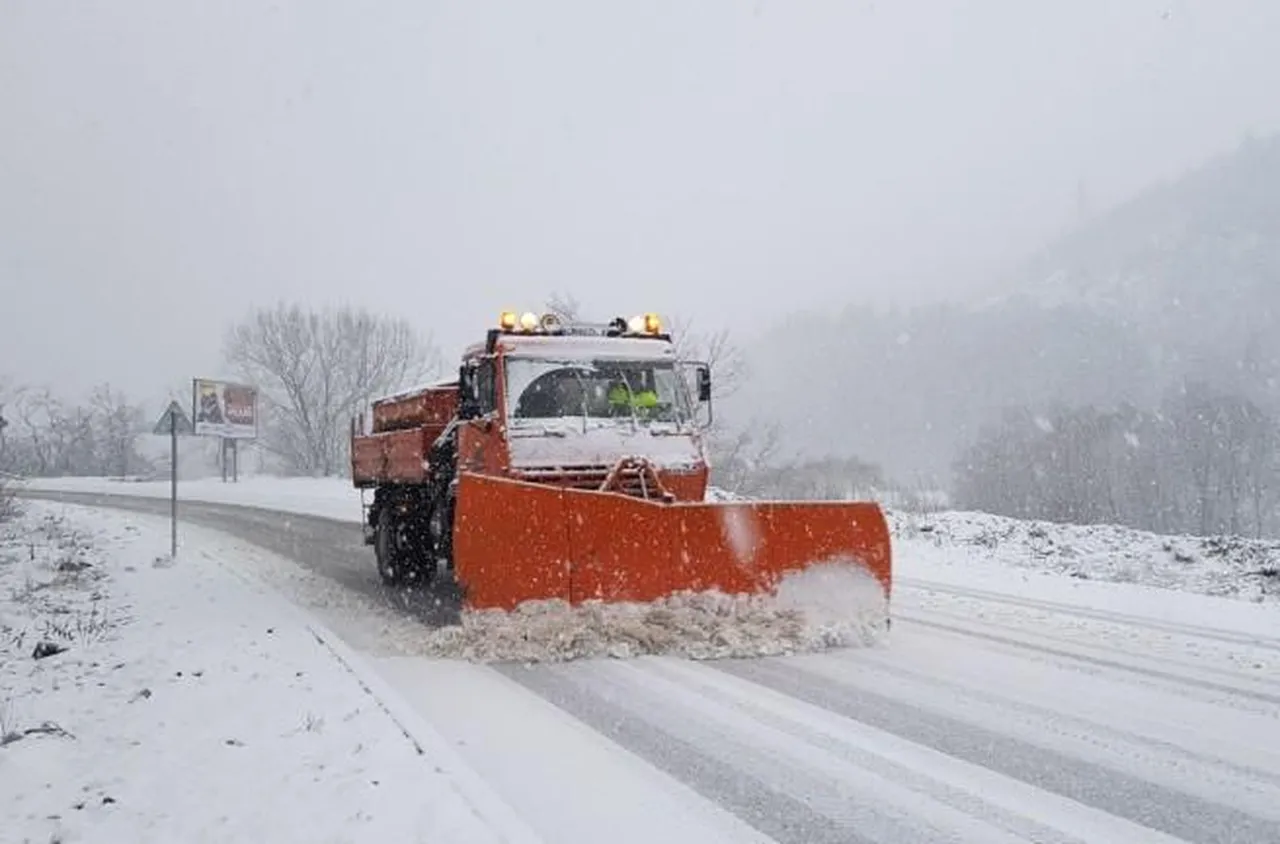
(1181, 282)
(1192, 267)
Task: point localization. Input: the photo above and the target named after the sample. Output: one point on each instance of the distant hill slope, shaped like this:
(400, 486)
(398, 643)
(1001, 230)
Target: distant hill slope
(1192, 266)
(1183, 281)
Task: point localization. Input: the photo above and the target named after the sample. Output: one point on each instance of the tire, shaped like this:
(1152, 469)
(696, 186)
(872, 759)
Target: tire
(401, 552)
(440, 533)
(388, 548)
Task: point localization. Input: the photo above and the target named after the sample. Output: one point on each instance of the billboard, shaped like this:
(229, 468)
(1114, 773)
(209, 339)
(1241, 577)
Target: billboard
(222, 409)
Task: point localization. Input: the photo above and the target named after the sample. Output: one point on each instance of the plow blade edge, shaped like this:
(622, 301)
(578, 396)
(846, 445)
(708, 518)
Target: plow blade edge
(515, 541)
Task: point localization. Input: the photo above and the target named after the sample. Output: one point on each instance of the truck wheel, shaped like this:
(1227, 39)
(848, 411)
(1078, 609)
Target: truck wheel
(389, 548)
(441, 532)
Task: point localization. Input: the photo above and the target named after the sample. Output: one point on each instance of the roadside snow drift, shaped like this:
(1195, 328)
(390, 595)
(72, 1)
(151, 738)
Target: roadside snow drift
(147, 699)
(1219, 566)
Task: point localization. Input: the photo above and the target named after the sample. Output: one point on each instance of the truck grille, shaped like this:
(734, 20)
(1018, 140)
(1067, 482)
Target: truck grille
(590, 477)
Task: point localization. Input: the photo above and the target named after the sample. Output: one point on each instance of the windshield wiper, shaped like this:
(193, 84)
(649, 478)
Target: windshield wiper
(539, 431)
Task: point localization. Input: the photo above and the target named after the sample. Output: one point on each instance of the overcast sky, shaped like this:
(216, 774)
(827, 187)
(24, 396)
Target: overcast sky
(165, 166)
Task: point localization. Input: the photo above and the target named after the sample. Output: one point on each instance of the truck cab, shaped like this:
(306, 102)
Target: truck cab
(546, 401)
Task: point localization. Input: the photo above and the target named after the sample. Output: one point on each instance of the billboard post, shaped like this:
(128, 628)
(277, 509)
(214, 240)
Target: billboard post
(229, 458)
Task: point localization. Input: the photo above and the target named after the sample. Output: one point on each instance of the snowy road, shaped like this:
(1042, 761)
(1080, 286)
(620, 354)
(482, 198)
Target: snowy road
(992, 715)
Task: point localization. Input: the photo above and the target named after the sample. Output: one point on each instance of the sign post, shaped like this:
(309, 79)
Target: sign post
(173, 422)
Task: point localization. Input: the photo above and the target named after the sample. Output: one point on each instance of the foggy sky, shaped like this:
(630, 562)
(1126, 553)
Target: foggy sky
(164, 166)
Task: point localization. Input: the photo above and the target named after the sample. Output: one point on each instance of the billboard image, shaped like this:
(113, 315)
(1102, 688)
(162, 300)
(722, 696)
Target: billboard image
(221, 409)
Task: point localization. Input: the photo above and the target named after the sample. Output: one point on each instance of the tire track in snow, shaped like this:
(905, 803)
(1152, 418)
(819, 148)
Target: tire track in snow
(1076, 655)
(1182, 815)
(1127, 619)
(873, 785)
(1068, 717)
(1241, 660)
(782, 817)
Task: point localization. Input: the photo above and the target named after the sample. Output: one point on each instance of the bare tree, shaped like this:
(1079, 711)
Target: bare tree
(7, 394)
(6, 458)
(717, 349)
(1204, 463)
(315, 370)
(47, 435)
(740, 461)
(1262, 470)
(565, 306)
(118, 423)
(8, 507)
(1202, 426)
(739, 453)
(46, 432)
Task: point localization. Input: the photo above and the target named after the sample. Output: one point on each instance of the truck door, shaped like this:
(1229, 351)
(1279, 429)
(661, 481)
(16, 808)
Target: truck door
(480, 444)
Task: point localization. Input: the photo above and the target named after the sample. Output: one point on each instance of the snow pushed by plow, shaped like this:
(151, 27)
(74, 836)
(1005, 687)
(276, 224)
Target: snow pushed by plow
(830, 605)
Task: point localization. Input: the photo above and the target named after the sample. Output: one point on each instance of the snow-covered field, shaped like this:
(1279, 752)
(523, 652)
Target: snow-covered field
(1230, 567)
(151, 699)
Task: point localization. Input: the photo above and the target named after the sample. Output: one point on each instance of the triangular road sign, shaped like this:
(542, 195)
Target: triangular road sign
(174, 414)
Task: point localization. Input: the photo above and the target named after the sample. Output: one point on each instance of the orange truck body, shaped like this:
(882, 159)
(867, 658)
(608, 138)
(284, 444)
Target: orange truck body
(555, 504)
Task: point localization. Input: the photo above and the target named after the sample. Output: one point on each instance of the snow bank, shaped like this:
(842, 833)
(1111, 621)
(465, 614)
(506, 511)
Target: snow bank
(331, 498)
(1232, 567)
(827, 606)
(146, 699)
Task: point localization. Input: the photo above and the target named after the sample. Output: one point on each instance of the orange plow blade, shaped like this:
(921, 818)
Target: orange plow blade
(515, 541)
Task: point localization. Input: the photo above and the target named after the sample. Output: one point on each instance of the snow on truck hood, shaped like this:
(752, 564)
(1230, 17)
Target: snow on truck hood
(544, 445)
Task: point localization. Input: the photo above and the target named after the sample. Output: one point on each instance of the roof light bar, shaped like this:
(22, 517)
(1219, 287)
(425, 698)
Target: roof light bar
(646, 324)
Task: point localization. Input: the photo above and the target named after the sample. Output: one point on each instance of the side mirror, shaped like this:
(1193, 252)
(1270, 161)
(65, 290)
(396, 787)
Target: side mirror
(468, 392)
(704, 383)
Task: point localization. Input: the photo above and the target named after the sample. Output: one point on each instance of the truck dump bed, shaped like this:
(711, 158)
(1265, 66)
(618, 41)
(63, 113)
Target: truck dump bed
(404, 428)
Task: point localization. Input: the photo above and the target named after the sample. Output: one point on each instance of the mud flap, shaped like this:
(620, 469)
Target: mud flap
(516, 541)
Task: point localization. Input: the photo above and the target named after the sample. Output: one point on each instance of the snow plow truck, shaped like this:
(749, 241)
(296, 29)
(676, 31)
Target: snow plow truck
(567, 461)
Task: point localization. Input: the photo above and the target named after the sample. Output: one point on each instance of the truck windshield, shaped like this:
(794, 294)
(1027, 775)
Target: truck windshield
(648, 391)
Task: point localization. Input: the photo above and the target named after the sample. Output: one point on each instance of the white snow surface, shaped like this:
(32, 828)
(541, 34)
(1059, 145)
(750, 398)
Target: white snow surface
(992, 639)
(572, 347)
(190, 704)
(330, 498)
(1232, 567)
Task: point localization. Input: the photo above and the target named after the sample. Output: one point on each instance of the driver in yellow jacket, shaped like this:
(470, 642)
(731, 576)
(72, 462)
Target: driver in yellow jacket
(620, 396)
